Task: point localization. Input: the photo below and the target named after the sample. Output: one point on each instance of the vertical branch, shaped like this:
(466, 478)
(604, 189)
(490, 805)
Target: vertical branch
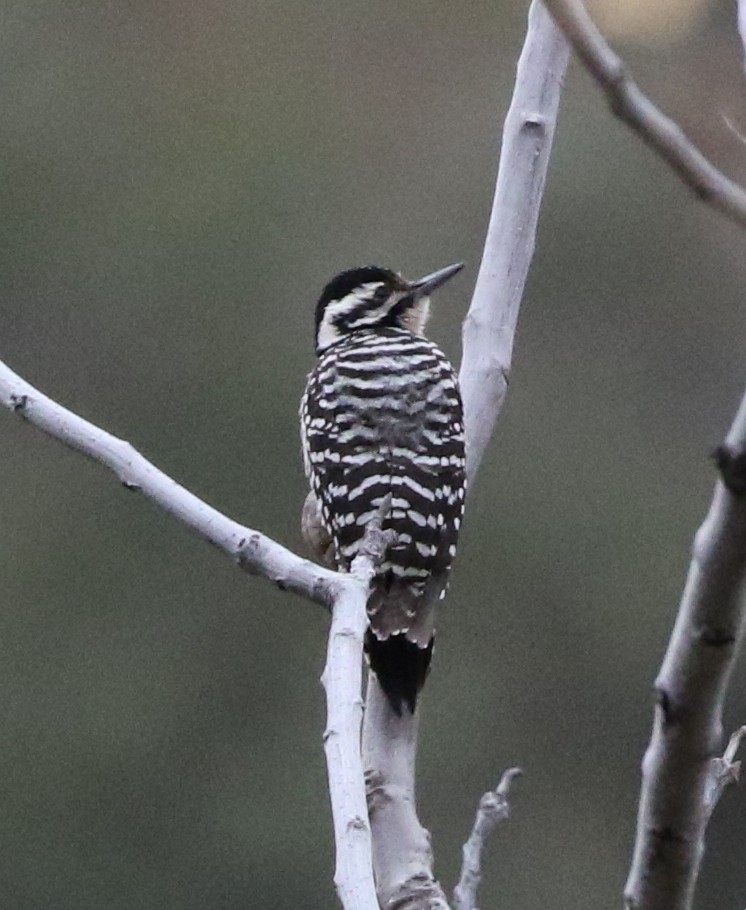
(342, 681)
(402, 857)
(489, 327)
(687, 729)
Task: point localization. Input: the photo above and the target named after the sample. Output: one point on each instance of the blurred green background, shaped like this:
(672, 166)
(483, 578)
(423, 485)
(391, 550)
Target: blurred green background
(179, 179)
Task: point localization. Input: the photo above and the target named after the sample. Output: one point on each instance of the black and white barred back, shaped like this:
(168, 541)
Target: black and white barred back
(382, 414)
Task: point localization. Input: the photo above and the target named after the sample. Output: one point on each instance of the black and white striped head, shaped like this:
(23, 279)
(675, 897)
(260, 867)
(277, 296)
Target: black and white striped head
(370, 297)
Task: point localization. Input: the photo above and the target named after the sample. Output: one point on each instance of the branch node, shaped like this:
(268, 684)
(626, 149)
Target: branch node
(534, 121)
(724, 771)
(19, 403)
(731, 463)
(666, 835)
(670, 715)
(375, 542)
(716, 637)
(247, 551)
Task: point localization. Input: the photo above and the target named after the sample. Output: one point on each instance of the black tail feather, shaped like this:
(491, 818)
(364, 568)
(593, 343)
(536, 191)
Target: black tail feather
(401, 667)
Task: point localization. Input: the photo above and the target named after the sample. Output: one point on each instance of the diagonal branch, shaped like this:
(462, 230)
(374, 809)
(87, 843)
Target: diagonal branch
(345, 595)
(678, 772)
(682, 781)
(626, 100)
(253, 551)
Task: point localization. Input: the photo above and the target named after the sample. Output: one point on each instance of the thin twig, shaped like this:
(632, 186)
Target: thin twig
(633, 107)
(494, 807)
(691, 687)
(724, 771)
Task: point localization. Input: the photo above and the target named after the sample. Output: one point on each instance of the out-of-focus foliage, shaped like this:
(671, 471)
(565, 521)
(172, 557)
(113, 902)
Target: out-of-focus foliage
(178, 181)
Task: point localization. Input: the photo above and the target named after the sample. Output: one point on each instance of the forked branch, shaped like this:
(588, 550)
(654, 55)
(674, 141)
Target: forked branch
(488, 340)
(342, 680)
(345, 595)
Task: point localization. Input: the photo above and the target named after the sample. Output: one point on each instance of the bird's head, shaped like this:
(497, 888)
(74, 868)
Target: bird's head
(370, 297)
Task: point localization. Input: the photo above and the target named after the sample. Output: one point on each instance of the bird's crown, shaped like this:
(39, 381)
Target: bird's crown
(371, 297)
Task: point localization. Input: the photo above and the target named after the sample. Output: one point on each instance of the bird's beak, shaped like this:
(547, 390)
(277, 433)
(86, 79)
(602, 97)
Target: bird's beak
(425, 286)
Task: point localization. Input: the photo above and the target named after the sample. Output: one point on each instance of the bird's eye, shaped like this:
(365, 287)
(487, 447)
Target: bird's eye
(381, 294)
(401, 306)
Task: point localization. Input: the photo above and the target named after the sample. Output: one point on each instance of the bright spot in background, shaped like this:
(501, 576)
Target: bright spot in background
(642, 20)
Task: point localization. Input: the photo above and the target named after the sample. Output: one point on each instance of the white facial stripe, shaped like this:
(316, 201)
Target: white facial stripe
(327, 335)
(349, 303)
(415, 318)
(328, 331)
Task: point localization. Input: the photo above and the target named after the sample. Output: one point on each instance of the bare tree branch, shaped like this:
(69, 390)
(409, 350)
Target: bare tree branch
(402, 857)
(346, 596)
(629, 104)
(725, 771)
(490, 324)
(401, 846)
(494, 807)
(488, 339)
(342, 679)
(691, 686)
(254, 552)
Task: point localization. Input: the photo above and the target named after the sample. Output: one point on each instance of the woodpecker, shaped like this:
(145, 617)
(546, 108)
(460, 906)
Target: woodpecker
(382, 414)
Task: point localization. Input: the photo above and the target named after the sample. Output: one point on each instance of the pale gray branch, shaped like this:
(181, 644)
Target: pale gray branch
(346, 595)
(494, 807)
(490, 325)
(488, 341)
(402, 857)
(656, 129)
(254, 552)
(401, 846)
(691, 686)
(342, 679)
(723, 771)
(742, 25)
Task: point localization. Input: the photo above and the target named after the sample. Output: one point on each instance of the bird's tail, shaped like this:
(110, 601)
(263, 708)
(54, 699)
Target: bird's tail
(401, 667)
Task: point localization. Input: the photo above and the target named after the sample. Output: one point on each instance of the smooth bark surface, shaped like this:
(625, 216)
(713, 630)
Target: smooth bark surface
(490, 325)
(345, 595)
(687, 733)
